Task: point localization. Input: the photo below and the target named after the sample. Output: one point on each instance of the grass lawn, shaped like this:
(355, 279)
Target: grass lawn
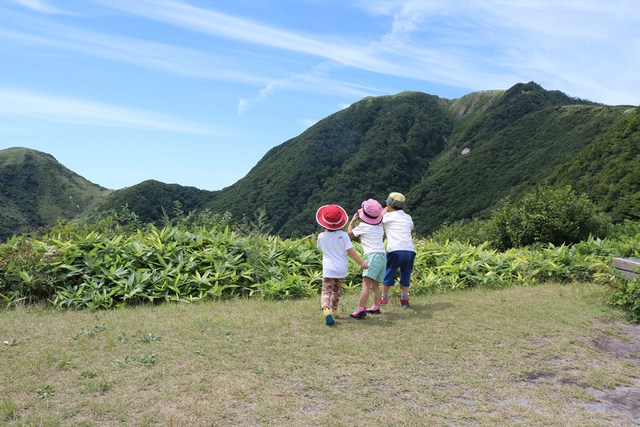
(545, 355)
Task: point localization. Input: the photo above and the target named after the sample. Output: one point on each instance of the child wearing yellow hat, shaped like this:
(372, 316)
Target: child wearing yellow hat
(398, 226)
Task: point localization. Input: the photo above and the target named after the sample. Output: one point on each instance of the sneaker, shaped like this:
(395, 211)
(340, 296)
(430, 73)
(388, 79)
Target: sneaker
(328, 317)
(384, 301)
(404, 303)
(359, 314)
(373, 310)
(334, 313)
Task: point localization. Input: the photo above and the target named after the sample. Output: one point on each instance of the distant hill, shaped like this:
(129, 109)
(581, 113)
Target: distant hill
(36, 190)
(367, 150)
(609, 169)
(151, 199)
(523, 137)
(454, 159)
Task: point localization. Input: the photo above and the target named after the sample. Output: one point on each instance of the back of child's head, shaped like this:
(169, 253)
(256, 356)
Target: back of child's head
(331, 217)
(396, 200)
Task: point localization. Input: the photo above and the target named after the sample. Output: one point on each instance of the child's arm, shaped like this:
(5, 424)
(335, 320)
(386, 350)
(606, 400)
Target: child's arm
(350, 228)
(354, 256)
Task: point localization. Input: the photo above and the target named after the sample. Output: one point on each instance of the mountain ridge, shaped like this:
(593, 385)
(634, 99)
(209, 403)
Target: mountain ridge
(410, 142)
(36, 190)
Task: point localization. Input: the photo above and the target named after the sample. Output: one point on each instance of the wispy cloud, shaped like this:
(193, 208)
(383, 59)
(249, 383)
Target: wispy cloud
(38, 6)
(140, 53)
(495, 43)
(316, 80)
(485, 44)
(218, 24)
(42, 107)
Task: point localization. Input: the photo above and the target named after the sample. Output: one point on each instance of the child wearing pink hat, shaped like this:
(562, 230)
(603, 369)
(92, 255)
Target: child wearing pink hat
(371, 235)
(336, 249)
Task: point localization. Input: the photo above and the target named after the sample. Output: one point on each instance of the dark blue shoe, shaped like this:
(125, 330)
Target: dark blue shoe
(328, 317)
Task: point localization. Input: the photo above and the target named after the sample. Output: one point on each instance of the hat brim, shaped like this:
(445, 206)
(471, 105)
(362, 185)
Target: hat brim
(331, 225)
(369, 219)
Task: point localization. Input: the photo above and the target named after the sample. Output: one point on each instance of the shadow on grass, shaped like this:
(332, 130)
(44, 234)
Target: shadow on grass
(392, 314)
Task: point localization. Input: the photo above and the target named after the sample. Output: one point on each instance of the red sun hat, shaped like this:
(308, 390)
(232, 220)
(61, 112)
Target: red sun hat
(331, 217)
(371, 212)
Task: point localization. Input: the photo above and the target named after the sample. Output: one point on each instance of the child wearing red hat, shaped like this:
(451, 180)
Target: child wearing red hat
(336, 249)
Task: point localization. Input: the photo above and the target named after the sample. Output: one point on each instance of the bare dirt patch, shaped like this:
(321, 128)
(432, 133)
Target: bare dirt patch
(623, 400)
(625, 347)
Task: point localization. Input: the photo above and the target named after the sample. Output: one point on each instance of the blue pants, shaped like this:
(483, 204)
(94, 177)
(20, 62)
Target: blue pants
(402, 260)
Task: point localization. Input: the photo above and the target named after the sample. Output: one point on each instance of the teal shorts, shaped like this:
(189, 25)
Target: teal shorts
(377, 266)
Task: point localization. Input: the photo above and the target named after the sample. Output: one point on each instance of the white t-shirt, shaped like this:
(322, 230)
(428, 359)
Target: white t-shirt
(334, 246)
(397, 227)
(371, 237)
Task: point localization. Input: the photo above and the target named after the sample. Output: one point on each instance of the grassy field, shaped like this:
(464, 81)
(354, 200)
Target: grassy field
(546, 355)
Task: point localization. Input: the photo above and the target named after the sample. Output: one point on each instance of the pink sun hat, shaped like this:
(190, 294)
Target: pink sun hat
(371, 212)
(331, 217)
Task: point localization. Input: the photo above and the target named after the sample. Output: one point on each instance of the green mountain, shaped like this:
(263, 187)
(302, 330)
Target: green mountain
(609, 169)
(36, 190)
(367, 150)
(521, 138)
(454, 159)
(151, 199)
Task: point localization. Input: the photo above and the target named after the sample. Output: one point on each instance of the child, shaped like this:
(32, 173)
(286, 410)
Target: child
(335, 246)
(371, 233)
(400, 249)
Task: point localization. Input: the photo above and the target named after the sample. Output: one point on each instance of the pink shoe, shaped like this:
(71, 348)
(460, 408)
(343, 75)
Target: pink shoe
(359, 314)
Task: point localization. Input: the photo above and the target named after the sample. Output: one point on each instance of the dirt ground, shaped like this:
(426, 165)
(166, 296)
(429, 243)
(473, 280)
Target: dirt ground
(624, 401)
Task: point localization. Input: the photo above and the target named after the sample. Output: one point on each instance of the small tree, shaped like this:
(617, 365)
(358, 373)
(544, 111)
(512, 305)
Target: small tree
(547, 215)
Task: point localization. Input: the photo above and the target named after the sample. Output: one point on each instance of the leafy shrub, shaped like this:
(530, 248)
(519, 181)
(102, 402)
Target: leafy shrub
(547, 215)
(475, 232)
(77, 266)
(625, 294)
(85, 267)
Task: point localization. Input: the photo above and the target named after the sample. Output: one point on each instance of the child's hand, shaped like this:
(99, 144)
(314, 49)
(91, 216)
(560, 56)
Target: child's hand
(364, 265)
(355, 216)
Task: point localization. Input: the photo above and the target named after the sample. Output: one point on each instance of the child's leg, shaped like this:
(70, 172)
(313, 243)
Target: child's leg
(336, 288)
(325, 296)
(385, 290)
(364, 293)
(393, 263)
(376, 294)
(406, 269)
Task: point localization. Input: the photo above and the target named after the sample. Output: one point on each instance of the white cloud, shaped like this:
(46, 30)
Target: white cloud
(307, 123)
(55, 109)
(578, 45)
(214, 23)
(152, 55)
(484, 45)
(38, 6)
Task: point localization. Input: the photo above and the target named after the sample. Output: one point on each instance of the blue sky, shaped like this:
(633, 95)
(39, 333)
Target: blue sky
(196, 92)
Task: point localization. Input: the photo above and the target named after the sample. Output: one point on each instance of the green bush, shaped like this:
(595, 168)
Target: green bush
(76, 266)
(547, 215)
(475, 232)
(625, 294)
